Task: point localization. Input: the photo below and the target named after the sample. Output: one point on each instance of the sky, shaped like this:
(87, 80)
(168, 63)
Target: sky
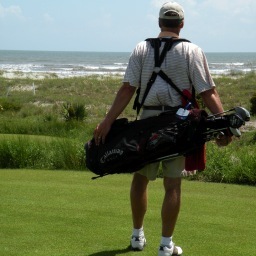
(118, 25)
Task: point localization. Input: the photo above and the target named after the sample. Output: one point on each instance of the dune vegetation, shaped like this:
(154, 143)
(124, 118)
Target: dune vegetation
(44, 124)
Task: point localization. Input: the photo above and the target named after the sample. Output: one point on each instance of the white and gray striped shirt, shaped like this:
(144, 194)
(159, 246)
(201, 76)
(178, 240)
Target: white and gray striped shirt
(185, 62)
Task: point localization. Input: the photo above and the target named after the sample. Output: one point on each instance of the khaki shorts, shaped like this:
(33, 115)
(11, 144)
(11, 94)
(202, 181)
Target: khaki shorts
(172, 168)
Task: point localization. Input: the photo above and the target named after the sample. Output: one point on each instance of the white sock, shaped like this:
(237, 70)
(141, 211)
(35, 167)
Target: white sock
(166, 241)
(138, 232)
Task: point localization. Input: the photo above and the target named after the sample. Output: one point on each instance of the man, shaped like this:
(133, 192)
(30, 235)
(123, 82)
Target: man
(186, 65)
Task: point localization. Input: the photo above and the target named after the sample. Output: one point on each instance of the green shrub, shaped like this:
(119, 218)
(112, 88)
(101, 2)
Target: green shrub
(253, 104)
(234, 163)
(39, 152)
(7, 105)
(42, 114)
(74, 112)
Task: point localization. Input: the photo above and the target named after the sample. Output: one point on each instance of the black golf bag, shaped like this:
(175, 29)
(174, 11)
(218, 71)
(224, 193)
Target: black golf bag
(131, 145)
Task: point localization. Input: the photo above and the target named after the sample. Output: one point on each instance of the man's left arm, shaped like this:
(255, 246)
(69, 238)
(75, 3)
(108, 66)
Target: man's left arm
(212, 101)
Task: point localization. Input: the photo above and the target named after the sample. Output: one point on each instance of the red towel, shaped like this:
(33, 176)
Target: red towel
(197, 159)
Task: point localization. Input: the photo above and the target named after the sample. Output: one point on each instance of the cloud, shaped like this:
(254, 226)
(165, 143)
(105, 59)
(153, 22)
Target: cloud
(237, 8)
(12, 10)
(48, 18)
(242, 11)
(231, 6)
(158, 3)
(104, 21)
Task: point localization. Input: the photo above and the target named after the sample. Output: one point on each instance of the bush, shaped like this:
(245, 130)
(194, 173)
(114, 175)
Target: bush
(232, 164)
(39, 152)
(253, 104)
(74, 112)
(7, 105)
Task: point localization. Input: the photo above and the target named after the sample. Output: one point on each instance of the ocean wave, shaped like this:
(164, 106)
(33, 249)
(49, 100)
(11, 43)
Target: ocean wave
(67, 64)
(68, 71)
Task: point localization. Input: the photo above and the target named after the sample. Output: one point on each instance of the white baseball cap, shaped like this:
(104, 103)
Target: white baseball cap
(171, 11)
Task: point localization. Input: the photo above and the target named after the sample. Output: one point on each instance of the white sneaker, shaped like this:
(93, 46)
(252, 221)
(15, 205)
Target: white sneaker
(167, 251)
(138, 243)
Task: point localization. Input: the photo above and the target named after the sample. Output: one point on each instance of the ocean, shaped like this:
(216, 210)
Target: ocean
(70, 64)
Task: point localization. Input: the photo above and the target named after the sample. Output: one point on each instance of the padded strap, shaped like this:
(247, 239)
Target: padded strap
(159, 58)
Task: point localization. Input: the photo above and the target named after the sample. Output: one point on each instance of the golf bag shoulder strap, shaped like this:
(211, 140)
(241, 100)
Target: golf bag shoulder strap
(159, 58)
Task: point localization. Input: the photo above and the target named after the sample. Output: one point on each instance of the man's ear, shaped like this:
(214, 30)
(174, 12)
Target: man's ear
(182, 24)
(159, 23)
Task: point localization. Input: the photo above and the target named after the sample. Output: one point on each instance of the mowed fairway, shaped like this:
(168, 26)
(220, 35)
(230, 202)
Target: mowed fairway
(52, 213)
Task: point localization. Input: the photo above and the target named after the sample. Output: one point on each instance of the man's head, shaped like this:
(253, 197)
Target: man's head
(171, 15)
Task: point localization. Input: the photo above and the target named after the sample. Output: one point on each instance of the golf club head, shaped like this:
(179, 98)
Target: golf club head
(243, 113)
(236, 132)
(235, 121)
(244, 116)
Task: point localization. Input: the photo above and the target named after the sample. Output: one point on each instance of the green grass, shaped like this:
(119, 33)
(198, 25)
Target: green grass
(66, 213)
(40, 152)
(235, 163)
(236, 91)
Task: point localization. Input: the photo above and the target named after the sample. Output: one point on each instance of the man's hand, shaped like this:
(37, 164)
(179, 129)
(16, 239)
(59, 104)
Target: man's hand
(122, 99)
(101, 131)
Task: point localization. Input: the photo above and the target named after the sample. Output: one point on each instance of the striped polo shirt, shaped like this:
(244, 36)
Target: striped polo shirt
(184, 63)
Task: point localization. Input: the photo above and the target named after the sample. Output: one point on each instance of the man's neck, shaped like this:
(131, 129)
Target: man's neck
(168, 34)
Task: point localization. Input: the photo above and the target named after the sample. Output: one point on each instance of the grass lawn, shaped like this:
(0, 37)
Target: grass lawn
(52, 213)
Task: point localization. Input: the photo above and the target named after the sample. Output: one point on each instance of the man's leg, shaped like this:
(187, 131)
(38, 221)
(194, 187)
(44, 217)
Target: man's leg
(139, 207)
(138, 196)
(170, 212)
(171, 205)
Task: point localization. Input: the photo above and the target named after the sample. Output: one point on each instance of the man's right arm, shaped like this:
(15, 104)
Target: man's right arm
(122, 99)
